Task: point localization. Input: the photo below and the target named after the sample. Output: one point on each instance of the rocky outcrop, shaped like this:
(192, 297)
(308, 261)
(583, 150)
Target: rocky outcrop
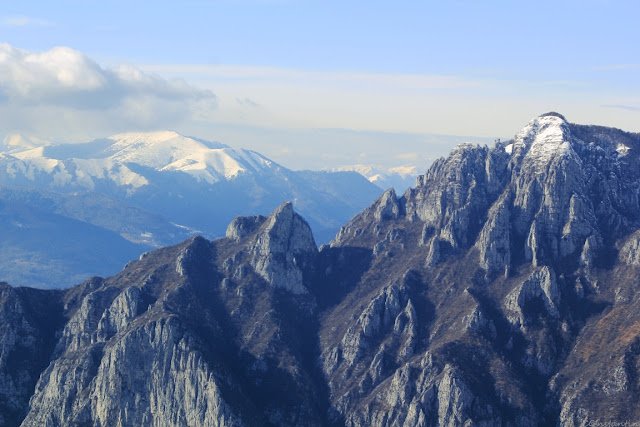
(152, 375)
(243, 226)
(283, 248)
(518, 222)
(494, 241)
(540, 285)
(387, 206)
(124, 360)
(453, 196)
(630, 252)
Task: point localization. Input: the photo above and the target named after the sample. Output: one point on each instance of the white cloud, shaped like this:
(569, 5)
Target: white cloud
(293, 98)
(622, 107)
(402, 102)
(65, 87)
(23, 21)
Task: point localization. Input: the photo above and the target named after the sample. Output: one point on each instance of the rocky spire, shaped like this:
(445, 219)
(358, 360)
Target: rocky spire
(283, 247)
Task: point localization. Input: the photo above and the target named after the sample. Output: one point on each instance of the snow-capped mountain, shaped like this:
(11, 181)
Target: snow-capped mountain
(82, 165)
(186, 181)
(169, 151)
(399, 177)
(17, 142)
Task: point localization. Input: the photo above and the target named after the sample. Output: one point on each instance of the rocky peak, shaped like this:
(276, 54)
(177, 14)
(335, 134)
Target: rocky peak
(196, 252)
(282, 248)
(543, 139)
(387, 206)
(243, 226)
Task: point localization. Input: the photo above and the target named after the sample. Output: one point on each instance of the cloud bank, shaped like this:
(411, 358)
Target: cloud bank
(64, 88)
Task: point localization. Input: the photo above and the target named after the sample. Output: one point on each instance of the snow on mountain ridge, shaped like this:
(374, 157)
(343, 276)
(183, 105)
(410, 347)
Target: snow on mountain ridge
(86, 169)
(170, 151)
(17, 142)
(109, 159)
(153, 149)
(399, 177)
(216, 164)
(543, 139)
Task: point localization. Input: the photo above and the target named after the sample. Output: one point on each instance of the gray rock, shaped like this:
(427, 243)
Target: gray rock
(282, 248)
(494, 242)
(540, 284)
(630, 252)
(243, 226)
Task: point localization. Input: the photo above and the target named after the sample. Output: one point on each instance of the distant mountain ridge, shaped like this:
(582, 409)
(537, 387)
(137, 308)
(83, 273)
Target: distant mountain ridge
(52, 239)
(399, 177)
(501, 290)
(187, 182)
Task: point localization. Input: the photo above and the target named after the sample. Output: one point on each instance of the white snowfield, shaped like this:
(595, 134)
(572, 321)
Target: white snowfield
(170, 151)
(17, 143)
(160, 151)
(215, 165)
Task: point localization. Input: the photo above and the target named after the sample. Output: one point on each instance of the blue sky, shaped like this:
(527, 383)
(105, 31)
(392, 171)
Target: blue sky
(267, 73)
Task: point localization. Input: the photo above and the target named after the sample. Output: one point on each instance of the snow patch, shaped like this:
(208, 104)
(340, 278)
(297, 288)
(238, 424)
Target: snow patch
(14, 143)
(86, 169)
(622, 150)
(543, 139)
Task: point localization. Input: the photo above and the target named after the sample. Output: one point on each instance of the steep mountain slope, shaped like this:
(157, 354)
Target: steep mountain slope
(528, 312)
(196, 334)
(501, 290)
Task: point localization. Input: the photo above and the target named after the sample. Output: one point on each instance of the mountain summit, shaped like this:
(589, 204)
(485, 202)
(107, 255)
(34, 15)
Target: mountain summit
(501, 290)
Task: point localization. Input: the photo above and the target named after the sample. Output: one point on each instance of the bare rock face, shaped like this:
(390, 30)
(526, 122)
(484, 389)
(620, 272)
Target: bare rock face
(387, 206)
(282, 248)
(169, 341)
(150, 376)
(516, 234)
(630, 252)
(243, 226)
(540, 285)
(124, 360)
(494, 242)
(453, 196)
(389, 312)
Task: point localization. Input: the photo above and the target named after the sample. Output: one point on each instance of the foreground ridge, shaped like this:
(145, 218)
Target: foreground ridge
(501, 290)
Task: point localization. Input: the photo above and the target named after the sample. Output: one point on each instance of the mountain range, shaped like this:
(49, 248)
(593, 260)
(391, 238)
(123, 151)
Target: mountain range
(111, 199)
(502, 290)
(399, 177)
